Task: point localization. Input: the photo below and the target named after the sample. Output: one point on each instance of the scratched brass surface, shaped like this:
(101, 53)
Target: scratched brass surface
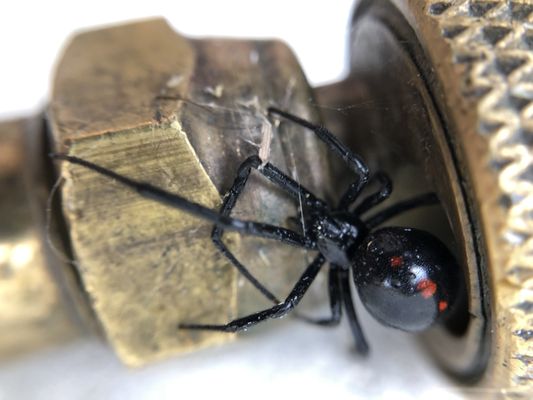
(144, 266)
(488, 47)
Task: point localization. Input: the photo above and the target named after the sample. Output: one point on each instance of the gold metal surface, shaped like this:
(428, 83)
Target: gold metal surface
(488, 48)
(178, 113)
(33, 313)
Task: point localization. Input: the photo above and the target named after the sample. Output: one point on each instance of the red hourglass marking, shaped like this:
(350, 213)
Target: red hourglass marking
(427, 288)
(396, 261)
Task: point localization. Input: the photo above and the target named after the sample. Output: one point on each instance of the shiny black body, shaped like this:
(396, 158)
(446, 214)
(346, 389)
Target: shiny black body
(406, 278)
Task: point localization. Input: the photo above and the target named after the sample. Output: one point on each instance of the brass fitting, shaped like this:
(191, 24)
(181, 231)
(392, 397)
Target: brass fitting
(438, 94)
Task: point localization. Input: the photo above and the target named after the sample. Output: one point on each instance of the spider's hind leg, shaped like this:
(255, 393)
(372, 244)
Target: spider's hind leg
(361, 345)
(297, 293)
(422, 200)
(335, 303)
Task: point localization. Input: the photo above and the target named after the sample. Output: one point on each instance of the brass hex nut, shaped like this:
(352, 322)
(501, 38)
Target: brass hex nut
(181, 114)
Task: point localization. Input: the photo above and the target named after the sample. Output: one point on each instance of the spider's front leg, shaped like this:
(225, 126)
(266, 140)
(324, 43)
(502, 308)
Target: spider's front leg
(278, 311)
(372, 200)
(354, 161)
(227, 206)
(276, 176)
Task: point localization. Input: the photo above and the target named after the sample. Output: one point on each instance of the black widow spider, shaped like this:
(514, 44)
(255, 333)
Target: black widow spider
(406, 278)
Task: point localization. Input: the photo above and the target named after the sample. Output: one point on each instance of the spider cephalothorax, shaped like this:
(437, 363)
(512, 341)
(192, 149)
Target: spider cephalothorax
(337, 236)
(406, 278)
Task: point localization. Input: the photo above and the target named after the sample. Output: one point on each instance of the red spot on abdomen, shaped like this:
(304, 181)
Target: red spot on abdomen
(443, 305)
(396, 261)
(427, 288)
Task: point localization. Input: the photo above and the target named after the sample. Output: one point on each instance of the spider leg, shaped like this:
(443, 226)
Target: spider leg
(370, 201)
(355, 163)
(216, 236)
(173, 200)
(334, 144)
(360, 342)
(227, 206)
(277, 177)
(335, 302)
(230, 200)
(278, 311)
(426, 199)
(292, 187)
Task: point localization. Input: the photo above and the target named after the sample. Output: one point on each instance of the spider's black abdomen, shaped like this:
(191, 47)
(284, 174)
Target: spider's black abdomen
(406, 277)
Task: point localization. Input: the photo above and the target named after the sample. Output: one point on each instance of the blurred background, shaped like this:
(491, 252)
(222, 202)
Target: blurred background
(33, 33)
(282, 359)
